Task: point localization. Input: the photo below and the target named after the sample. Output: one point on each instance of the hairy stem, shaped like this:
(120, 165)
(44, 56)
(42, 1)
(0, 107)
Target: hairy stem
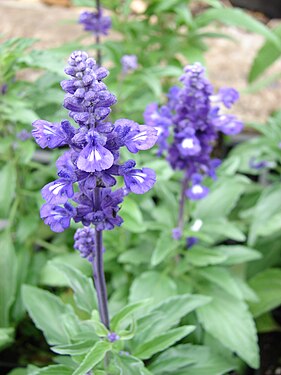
(181, 203)
(98, 269)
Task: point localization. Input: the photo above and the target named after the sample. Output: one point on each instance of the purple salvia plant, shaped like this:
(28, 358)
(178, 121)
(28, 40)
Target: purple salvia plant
(92, 163)
(194, 117)
(129, 63)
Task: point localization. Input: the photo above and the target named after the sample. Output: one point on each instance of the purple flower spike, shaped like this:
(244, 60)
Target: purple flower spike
(95, 22)
(95, 158)
(57, 217)
(139, 181)
(58, 192)
(196, 192)
(129, 63)
(193, 116)
(191, 241)
(48, 134)
(85, 242)
(92, 161)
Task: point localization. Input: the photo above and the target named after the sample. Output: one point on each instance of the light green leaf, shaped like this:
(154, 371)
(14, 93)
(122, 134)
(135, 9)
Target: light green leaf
(237, 254)
(222, 278)
(8, 272)
(6, 337)
(199, 256)
(222, 199)
(152, 285)
(161, 342)
(267, 286)
(165, 245)
(8, 177)
(225, 229)
(95, 355)
(127, 364)
(125, 312)
(195, 359)
(228, 320)
(167, 315)
(265, 57)
(41, 304)
(55, 370)
(84, 291)
(133, 220)
(237, 17)
(74, 349)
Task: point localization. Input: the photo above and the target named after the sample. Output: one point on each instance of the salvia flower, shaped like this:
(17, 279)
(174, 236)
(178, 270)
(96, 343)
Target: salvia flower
(92, 161)
(194, 115)
(95, 22)
(129, 63)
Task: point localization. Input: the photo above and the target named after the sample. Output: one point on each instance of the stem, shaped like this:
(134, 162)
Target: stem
(99, 57)
(182, 202)
(99, 277)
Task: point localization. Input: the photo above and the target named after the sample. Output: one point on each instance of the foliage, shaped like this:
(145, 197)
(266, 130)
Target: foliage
(175, 310)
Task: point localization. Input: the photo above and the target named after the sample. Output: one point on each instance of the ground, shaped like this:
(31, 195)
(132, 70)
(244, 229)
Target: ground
(228, 62)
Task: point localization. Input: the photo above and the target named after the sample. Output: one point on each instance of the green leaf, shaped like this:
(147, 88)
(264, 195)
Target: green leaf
(74, 349)
(8, 272)
(55, 370)
(161, 342)
(222, 199)
(224, 229)
(237, 254)
(228, 320)
(133, 220)
(167, 315)
(125, 312)
(195, 359)
(84, 291)
(6, 337)
(165, 245)
(8, 177)
(265, 57)
(199, 256)
(237, 17)
(95, 355)
(268, 205)
(221, 278)
(48, 312)
(153, 285)
(267, 286)
(127, 364)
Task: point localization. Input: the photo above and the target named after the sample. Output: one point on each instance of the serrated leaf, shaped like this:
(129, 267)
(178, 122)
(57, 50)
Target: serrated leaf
(165, 245)
(95, 355)
(158, 344)
(127, 364)
(267, 286)
(222, 199)
(200, 256)
(73, 349)
(125, 312)
(41, 304)
(222, 278)
(152, 285)
(237, 254)
(84, 291)
(195, 359)
(228, 320)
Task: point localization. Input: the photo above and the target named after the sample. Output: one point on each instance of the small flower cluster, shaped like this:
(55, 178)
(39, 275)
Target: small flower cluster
(129, 63)
(92, 162)
(95, 22)
(196, 116)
